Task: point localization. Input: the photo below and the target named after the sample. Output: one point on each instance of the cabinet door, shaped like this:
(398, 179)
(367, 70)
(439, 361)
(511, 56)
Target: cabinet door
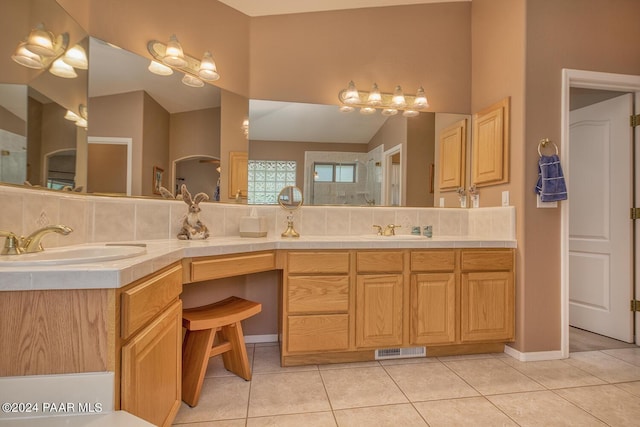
(490, 149)
(151, 369)
(433, 308)
(379, 310)
(452, 145)
(487, 306)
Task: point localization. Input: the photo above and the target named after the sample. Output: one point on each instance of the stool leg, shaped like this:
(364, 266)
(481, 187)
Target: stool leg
(195, 357)
(236, 360)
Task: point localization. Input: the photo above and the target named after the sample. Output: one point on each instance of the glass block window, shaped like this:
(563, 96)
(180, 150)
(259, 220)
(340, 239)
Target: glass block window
(267, 178)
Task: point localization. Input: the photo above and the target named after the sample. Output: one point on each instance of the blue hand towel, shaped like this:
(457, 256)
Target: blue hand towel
(551, 185)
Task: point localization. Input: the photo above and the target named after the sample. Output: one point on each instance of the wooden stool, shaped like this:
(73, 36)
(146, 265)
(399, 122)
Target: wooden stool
(202, 323)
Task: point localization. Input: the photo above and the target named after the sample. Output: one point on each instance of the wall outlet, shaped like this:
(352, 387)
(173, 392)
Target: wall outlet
(505, 198)
(541, 204)
(442, 202)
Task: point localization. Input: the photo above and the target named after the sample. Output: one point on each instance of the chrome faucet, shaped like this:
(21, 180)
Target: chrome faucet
(389, 230)
(15, 245)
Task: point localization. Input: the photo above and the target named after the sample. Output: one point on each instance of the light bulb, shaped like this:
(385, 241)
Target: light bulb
(40, 41)
(192, 81)
(398, 100)
(62, 69)
(375, 98)
(173, 55)
(77, 58)
(208, 69)
(421, 100)
(160, 69)
(26, 58)
(351, 95)
(410, 113)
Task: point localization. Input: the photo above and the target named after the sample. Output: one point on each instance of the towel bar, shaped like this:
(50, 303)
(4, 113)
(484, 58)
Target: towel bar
(543, 143)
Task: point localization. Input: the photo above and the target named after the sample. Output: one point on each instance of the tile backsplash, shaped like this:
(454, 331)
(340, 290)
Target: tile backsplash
(107, 219)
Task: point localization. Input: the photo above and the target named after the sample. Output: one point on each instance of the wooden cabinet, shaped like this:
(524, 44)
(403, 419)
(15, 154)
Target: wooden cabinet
(341, 306)
(490, 147)
(151, 332)
(451, 160)
(379, 298)
(379, 310)
(487, 296)
(433, 308)
(316, 302)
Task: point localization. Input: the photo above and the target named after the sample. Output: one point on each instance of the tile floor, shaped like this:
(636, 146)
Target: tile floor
(591, 388)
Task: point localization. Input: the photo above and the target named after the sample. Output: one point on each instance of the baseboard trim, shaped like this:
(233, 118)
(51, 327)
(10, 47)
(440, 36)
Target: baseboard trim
(534, 356)
(255, 339)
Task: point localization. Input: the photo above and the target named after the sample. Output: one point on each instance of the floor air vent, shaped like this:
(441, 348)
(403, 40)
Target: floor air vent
(400, 353)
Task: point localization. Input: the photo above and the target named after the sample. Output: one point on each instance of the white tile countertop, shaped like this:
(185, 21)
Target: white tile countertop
(163, 252)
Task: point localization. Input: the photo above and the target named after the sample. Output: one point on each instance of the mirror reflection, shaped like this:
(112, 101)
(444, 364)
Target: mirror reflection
(346, 159)
(290, 199)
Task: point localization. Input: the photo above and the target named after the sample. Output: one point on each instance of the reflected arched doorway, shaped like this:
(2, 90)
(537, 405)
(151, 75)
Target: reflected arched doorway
(201, 174)
(60, 169)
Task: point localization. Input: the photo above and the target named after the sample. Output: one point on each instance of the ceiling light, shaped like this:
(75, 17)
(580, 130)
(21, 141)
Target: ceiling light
(346, 109)
(174, 55)
(62, 69)
(208, 69)
(25, 57)
(160, 69)
(367, 110)
(76, 57)
(40, 41)
(410, 113)
(192, 81)
(389, 112)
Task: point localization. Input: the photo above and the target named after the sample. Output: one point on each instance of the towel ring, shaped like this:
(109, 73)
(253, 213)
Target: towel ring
(543, 143)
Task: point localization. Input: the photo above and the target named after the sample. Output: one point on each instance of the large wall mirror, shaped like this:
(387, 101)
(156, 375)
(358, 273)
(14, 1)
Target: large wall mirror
(154, 131)
(346, 159)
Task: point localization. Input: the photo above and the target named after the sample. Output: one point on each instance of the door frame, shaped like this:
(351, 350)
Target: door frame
(591, 80)
(386, 175)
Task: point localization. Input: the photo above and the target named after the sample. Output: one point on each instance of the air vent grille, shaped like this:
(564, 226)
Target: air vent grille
(400, 353)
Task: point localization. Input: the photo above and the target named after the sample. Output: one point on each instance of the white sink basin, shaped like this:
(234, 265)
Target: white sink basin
(396, 237)
(73, 255)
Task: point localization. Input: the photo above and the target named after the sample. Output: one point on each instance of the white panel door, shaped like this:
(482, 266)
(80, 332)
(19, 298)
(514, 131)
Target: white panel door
(600, 228)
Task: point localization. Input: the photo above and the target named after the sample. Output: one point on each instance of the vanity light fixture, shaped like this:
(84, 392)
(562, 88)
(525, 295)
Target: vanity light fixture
(389, 103)
(245, 127)
(41, 50)
(169, 57)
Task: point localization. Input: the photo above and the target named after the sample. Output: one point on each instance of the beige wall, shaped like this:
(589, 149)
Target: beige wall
(12, 123)
(121, 116)
(232, 114)
(420, 151)
(155, 145)
(195, 132)
(560, 34)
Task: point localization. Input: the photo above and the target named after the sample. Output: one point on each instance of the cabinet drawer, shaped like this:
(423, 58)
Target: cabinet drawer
(320, 294)
(318, 262)
(145, 300)
(228, 266)
(380, 262)
(318, 332)
(487, 260)
(433, 260)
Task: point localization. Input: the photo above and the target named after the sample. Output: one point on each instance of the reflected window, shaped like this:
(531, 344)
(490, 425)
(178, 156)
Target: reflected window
(334, 172)
(267, 178)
